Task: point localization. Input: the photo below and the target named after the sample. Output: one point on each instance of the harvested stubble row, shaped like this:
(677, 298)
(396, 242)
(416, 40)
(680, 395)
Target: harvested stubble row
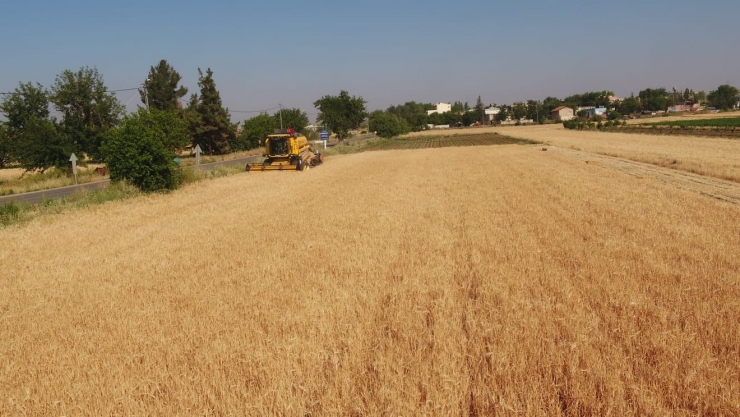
(537, 285)
(715, 157)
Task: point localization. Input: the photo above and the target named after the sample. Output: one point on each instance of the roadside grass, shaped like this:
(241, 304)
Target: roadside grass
(188, 160)
(14, 181)
(20, 213)
(52, 178)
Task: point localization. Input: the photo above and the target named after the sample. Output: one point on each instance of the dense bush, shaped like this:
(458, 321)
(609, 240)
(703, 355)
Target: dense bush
(387, 125)
(139, 151)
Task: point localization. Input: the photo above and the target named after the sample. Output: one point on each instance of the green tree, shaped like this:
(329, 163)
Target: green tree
(452, 118)
(292, 118)
(168, 126)
(655, 99)
(209, 122)
(136, 152)
(254, 131)
(536, 111)
(341, 113)
(550, 103)
(88, 110)
(42, 145)
(480, 110)
(415, 114)
(436, 119)
(629, 105)
(503, 114)
(161, 90)
(25, 102)
(518, 111)
(724, 97)
(4, 147)
(700, 97)
(470, 117)
(387, 125)
(31, 137)
(458, 107)
(591, 98)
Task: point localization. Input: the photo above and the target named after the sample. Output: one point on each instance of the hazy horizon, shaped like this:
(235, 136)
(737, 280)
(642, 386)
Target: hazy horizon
(387, 52)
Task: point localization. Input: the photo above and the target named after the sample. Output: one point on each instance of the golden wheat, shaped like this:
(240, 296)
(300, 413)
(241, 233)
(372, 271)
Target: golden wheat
(714, 157)
(488, 280)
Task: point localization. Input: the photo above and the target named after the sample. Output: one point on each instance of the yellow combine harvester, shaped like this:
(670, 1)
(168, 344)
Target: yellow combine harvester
(287, 150)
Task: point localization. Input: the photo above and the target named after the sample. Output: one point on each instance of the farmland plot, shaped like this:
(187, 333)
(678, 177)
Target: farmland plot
(394, 283)
(444, 141)
(715, 157)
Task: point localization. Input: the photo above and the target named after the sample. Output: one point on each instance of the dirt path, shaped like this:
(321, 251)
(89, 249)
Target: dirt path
(712, 187)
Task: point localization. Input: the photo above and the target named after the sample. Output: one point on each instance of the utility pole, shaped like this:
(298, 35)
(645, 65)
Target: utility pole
(281, 115)
(146, 93)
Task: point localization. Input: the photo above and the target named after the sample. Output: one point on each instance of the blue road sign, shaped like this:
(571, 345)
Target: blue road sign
(324, 135)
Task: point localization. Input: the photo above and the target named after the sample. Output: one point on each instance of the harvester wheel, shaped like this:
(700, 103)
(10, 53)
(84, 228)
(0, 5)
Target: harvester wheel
(248, 168)
(299, 165)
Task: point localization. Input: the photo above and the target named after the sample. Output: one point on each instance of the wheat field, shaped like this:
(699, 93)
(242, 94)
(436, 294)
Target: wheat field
(497, 280)
(715, 157)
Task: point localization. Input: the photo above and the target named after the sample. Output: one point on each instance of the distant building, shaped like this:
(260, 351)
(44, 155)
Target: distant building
(595, 111)
(441, 108)
(562, 113)
(491, 113)
(683, 107)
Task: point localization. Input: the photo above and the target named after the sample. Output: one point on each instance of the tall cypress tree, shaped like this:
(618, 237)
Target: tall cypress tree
(210, 122)
(480, 110)
(160, 90)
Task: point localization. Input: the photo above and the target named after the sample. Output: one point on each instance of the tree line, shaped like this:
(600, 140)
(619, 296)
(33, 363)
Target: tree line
(412, 116)
(92, 124)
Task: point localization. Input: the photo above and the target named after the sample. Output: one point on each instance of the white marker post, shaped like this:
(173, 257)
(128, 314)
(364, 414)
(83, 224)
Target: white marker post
(197, 154)
(73, 160)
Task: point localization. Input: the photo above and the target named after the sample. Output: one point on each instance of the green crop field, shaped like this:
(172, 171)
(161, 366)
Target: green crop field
(725, 122)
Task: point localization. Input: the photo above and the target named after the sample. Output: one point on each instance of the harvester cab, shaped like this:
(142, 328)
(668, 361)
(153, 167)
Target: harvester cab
(287, 150)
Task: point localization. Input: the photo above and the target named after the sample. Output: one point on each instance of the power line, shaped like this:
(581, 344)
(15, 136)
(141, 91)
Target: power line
(255, 111)
(123, 89)
(279, 106)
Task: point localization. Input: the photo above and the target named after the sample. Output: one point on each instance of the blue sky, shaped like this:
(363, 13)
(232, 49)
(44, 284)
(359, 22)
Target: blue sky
(389, 52)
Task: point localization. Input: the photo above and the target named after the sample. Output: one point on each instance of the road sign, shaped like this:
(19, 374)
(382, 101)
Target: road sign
(73, 160)
(324, 135)
(197, 154)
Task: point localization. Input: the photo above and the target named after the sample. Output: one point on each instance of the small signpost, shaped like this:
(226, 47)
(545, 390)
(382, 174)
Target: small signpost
(73, 160)
(197, 154)
(324, 136)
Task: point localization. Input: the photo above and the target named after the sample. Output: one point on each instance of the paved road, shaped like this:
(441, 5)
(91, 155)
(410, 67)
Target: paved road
(36, 197)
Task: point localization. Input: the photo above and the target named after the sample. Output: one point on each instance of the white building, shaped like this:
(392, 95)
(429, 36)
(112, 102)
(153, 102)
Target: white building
(491, 113)
(441, 108)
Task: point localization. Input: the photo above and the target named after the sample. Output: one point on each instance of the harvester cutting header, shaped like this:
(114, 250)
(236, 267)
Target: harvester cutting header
(287, 150)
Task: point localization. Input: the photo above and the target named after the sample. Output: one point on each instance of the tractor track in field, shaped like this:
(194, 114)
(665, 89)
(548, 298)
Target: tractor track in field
(727, 191)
